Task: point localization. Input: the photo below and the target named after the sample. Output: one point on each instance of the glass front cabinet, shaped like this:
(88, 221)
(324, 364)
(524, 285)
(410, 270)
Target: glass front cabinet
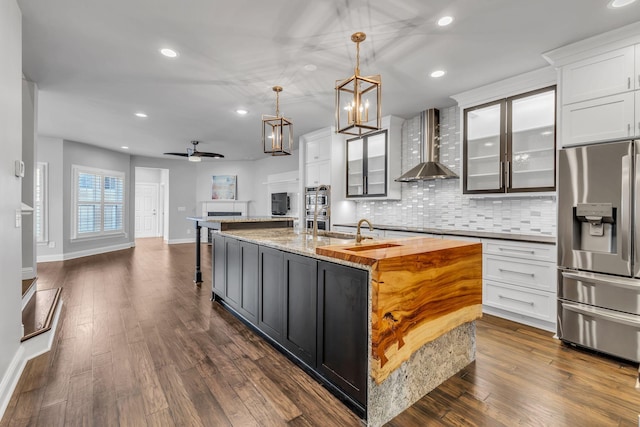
(367, 165)
(510, 144)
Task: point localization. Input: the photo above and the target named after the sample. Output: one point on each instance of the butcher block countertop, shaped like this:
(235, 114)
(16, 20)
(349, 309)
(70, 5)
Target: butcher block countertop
(421, 288)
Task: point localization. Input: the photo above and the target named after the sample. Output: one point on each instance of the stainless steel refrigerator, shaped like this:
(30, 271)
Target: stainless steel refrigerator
(599, 247)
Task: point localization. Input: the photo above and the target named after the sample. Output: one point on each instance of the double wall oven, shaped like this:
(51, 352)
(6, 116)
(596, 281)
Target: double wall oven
(319, 197)
(599, 247)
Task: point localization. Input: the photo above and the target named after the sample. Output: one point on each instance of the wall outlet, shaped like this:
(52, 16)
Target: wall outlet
(52, 245)
(18, 218)
(181, 209)
(188, 231)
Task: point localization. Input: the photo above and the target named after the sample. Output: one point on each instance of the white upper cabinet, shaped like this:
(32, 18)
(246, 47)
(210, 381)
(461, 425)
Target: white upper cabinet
(601, 119)
(602, 75)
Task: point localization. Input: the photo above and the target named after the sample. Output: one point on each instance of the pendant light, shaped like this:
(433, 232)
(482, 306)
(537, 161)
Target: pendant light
(277, 131)
(358, 99)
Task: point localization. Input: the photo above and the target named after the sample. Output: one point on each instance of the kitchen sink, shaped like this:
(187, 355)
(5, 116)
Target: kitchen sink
(335, 234)
(371, 247)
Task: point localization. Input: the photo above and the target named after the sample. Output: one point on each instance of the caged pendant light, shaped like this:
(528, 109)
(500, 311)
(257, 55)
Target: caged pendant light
(277, 131)
(358, 99)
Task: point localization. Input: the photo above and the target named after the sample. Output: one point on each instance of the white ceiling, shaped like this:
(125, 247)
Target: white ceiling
(96, 62)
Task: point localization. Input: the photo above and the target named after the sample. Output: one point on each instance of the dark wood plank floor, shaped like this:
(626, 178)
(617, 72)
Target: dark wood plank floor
(139, 344)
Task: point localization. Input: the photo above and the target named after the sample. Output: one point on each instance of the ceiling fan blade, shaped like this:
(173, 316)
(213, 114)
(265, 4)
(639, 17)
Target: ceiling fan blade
(205, 154)
(178, 154)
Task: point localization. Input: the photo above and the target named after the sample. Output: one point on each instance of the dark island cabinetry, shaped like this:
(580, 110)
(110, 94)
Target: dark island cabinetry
(316, 311)
(271, 300)
(235, 274)
(342, 327)
(301, 296)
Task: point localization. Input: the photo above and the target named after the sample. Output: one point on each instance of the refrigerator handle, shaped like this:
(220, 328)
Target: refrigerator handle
(625, 208)
(636, 211)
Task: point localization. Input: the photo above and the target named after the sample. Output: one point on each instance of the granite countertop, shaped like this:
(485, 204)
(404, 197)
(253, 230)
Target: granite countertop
(231, 219)
(533, 238)
(294, 241)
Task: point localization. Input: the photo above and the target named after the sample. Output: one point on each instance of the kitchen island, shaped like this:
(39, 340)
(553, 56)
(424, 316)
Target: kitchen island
(380, 324)
(222, 223)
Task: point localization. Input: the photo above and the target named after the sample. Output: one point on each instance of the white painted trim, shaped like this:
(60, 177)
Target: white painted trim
(28, 273)
(178, 241)
(87, 252)
(536, 79)
(27, 297)
(519, 318)
(27, 351)
(10, 379)
(50, 258)
(592, 46)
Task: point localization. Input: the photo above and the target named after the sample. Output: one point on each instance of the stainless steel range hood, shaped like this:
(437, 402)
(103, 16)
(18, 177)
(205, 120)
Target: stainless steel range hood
(430, 166)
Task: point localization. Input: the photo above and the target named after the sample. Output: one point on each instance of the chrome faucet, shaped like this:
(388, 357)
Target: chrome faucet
(360, 237)
(315, 211)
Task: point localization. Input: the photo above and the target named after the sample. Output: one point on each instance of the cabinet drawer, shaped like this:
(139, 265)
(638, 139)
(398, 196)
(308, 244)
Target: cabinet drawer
(530, 274)
(527, 302)
(530, 251)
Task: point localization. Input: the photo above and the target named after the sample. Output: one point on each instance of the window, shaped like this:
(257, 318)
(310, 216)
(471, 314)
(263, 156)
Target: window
(98, 202)
(41, 208)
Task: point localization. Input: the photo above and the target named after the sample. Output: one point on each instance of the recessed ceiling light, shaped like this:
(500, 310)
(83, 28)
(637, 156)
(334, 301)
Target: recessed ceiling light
(615, 4)
(169, 53)
(141, 115)
(124, 147)
(310, 67)
(241, 111)
(446, 20)
(438, 73)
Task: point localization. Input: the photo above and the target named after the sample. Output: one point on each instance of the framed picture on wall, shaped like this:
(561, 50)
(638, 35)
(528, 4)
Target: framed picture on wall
(223, 187)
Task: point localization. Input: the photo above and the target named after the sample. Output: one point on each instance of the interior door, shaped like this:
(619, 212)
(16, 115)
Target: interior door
(146, 216)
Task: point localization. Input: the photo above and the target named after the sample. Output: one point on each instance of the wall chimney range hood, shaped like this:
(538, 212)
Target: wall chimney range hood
(430, 166)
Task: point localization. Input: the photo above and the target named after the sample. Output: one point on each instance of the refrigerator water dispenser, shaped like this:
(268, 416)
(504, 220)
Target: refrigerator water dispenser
(595, 227)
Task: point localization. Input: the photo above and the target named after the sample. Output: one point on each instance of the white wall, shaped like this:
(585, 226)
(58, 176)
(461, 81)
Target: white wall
(246, 179)
(269, 166)
(49, 150)
(29, 108)
(10, 188)
(148, 175)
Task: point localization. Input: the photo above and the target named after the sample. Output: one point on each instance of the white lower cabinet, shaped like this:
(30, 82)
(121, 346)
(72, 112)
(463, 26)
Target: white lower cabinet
(519, 282)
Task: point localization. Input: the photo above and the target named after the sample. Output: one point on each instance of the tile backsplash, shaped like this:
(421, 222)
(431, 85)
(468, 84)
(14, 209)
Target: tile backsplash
(441, 204)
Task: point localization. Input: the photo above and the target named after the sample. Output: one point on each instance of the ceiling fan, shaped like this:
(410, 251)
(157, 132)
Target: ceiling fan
(196, 156)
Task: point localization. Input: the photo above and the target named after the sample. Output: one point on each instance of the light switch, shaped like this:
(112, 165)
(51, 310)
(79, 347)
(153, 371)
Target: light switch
(181, 209)
(18, 218)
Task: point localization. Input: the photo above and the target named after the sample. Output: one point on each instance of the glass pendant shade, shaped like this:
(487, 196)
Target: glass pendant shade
(359, 100)
(277, 131)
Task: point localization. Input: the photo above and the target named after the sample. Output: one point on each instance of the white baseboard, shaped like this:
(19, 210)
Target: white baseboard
(50, 258)
(87, 252)
(518, 318)
(26, 351)
(28, 273)
(177, 241)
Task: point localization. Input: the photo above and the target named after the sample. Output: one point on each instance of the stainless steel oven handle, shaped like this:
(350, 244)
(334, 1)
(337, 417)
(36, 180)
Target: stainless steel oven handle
(626, 319)
(596, 279)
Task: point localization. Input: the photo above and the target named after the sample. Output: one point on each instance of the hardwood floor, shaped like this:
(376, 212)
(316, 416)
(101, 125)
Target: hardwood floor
(139, 344)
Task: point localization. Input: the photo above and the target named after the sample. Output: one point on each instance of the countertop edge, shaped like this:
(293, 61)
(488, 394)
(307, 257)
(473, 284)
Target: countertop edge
(532, 238)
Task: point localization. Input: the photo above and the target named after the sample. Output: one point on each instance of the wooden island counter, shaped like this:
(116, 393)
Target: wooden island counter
(380, 324)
